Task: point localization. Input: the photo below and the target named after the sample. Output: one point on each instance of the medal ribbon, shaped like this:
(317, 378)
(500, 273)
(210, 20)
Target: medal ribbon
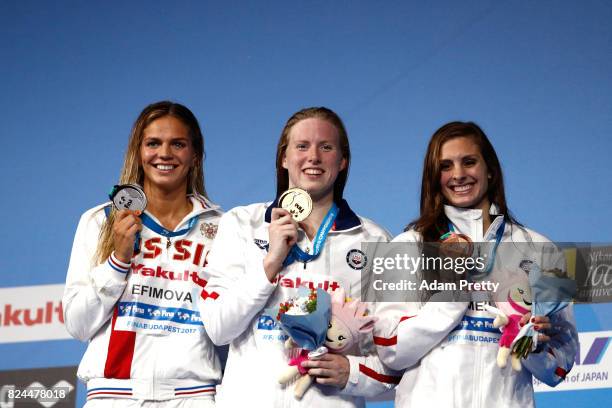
(498, 236)
(296, 254)
(155, 227)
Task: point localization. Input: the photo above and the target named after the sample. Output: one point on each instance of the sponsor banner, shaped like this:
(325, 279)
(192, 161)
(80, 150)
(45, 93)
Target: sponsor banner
(44, 387)
(134, 316)
(593, 366)
(593, 269)
(476, 327)
(160, 300)
(32, 313)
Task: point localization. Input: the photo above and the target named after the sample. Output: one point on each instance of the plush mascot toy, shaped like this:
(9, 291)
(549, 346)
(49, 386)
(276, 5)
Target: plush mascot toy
(513, 301)
(348, 319)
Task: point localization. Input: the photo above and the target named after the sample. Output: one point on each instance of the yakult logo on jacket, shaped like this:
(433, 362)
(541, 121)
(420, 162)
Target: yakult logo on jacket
(287, 282)
(161, 273)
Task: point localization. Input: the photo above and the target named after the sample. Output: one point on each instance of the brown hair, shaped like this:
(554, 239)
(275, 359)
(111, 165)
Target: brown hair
(132, 171)
(432, 222)
(282, 175)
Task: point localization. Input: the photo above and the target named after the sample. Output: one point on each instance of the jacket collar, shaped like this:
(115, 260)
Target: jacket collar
(464, 219)
(201, 205)
(468, 213)
(345, 220)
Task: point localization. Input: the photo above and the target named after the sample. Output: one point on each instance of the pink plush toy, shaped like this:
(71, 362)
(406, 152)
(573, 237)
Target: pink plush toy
(513, 301)
(348, 319)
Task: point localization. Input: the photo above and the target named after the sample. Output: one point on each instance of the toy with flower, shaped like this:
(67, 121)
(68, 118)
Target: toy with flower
(305, 318)
(541, 294)
(552, 291)
(513, 301)
(318, 324)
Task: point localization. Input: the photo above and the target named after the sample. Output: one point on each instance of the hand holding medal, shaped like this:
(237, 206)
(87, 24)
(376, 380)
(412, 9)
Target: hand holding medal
(297, 202)
(294, 206)
(129, 200)
(454, 245)
(128, 197)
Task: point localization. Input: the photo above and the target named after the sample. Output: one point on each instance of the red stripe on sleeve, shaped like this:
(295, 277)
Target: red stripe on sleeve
(120, 352)
(385, 342)
(389, 379)
(391, 341)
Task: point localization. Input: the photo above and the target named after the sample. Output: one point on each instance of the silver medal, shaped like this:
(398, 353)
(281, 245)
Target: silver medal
(129, 197)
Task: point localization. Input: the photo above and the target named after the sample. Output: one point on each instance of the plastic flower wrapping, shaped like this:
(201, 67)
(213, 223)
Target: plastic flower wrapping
(305, 318)
(550, 294)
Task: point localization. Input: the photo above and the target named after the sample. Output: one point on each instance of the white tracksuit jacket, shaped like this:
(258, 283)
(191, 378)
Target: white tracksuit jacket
(239, 291)
(146, 339)
(449, 357)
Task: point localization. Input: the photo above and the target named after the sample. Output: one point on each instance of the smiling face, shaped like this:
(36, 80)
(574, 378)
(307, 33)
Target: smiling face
(514, 294)
(166, 155)
(521, 295)
(313, 157)
(338, 336)
(463, 174)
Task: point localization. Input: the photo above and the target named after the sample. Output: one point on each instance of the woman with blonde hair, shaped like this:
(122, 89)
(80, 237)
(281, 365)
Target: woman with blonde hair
(135, 274)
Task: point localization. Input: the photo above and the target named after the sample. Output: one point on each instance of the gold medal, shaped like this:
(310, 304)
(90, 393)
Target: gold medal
(297, 202)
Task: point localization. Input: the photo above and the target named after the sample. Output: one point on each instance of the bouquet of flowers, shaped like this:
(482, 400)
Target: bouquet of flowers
(305, 319)
(551, 293)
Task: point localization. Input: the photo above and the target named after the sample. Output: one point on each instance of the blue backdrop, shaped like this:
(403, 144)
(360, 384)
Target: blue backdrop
(534, 75)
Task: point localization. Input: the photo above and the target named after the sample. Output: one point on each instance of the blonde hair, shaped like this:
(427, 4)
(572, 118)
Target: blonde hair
(132, 171)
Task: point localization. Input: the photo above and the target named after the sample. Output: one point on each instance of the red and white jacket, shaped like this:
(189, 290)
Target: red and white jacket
(238, 292)
(448, 349)
(146, 338)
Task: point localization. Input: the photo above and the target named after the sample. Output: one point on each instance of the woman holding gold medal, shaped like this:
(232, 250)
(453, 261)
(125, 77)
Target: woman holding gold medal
(451, 350)
(136, 272)
(308, 237)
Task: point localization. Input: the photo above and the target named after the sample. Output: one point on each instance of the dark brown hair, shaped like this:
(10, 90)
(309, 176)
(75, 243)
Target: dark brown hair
(432, 222)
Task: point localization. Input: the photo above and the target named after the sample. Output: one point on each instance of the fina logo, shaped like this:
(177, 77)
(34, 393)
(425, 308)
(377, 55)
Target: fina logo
(596, 351)
(267, 323)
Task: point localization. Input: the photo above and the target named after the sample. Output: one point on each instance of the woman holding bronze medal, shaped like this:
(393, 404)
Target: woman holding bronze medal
(308, 237)
(136, 272)
(457, 360)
